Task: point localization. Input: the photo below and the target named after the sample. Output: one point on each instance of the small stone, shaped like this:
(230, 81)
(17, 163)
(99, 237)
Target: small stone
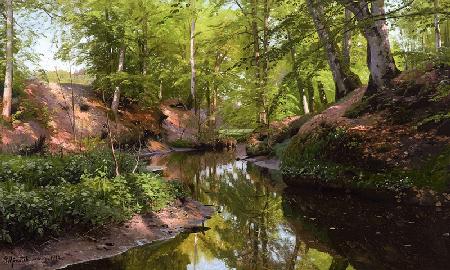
(332, 228)
(109, 244)
(378, 233)
(438, 204)
(446, 234)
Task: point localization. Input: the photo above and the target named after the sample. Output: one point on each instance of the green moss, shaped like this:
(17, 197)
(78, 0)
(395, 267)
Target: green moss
(435, 173)
(433, 120)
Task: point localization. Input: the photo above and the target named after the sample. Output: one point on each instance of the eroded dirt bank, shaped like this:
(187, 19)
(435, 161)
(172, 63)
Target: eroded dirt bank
(107, 242)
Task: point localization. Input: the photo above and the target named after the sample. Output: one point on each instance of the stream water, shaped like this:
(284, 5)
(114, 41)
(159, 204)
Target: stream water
(260, 224)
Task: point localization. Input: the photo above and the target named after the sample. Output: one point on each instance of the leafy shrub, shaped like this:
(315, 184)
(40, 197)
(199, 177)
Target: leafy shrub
(38, 147)
(29, 110)
(180, 143)
(43, 171)
(96, 200)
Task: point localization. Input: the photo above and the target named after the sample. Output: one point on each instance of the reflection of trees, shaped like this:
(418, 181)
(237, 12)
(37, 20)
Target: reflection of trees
(251, 217)
(161, 256)
(246, 234)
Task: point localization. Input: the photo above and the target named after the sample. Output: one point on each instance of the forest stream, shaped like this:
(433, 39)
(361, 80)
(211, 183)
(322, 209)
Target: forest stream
(260, 225)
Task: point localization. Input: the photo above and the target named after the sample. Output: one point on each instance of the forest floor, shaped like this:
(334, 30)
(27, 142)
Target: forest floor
(101, 243)
(48, 111)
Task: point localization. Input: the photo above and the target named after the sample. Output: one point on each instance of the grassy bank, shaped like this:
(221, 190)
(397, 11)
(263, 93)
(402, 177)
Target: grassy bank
(46, 196)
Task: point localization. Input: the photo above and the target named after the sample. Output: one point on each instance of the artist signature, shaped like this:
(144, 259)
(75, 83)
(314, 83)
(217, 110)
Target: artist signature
(11, 260)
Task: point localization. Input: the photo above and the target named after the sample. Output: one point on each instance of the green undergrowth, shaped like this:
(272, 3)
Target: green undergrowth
(241, 135)
(180, 143)
(52, 200)
(34, 171)
(332, 156)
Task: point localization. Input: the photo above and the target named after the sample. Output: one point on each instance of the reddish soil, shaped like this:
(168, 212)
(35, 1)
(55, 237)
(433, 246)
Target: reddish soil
(169, 121)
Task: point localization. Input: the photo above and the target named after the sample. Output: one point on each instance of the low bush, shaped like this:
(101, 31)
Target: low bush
(180, 143)
(35, 171)
(96, 200)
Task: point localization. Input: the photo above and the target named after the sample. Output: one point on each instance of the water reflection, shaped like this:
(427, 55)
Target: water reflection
(259, 227)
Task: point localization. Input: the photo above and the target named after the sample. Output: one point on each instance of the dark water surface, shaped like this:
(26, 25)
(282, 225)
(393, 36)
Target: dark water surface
(261, 225)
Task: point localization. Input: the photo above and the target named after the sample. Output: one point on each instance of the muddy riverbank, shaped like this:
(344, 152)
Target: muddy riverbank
(101, 243)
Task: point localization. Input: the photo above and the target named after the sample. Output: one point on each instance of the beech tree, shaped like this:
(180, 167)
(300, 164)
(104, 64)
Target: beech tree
(116, 96)
(345, 80)
(437, 27)
(371, 17)
(7, 92)
(192, 55)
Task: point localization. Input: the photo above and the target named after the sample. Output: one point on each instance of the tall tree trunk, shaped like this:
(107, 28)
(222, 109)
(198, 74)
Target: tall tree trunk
(257, 56)
(381, 62)
(303, 104)
(437, 28)
(371, 14)
(213, 99)
(345, 80)
(265, 64)
(192, 61)
(144, 46)
(7, 93)
(322, 94)
(116, 97)
(347, 42)
(310, 90)
(160, 94)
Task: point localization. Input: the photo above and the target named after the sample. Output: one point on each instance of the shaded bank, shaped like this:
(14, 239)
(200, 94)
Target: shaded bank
(372, 235)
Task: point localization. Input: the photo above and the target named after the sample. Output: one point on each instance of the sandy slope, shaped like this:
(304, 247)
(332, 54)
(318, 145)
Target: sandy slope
(58, 99)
